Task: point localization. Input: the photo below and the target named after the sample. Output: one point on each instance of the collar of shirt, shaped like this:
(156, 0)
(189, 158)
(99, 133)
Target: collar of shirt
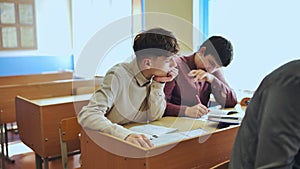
(191, 61)
(187, 61)
(140, 78)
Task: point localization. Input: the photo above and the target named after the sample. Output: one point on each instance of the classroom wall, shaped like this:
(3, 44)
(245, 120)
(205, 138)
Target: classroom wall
(102, 35)
(174, 15)
(23, 65)
(53, 34)
(53, 30)
(64, 28)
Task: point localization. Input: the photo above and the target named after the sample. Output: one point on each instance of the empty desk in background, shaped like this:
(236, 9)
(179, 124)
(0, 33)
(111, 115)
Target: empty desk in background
(35, 91)
(35, 78)
(9, 86)
(195, 152)
(38, 123)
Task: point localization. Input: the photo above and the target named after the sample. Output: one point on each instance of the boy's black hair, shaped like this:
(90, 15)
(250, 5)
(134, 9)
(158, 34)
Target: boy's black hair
(220, 48)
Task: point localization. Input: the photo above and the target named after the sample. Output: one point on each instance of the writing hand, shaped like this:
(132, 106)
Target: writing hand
(201, 75)
(196, 111)
(140, 140)
(170, 76)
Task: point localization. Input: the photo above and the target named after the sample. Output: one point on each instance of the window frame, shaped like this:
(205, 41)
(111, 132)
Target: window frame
(26, 40)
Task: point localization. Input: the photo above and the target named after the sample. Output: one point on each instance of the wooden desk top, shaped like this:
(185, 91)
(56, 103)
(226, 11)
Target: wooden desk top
(35, 78)
(183, 124)
(61, 100)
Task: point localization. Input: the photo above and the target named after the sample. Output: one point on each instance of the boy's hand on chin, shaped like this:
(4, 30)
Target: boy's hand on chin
(170, 76)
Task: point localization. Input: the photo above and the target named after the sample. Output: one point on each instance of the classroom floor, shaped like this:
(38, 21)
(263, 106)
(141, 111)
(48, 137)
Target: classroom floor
(25, 158)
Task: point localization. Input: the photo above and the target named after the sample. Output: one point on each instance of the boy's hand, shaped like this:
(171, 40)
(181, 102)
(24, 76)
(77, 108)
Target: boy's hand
(196, 111)
(170, 76)
(140, 140)
(201, 76)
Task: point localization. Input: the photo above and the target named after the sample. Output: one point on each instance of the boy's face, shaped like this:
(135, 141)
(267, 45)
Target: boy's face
(162, 65)
(209, 62)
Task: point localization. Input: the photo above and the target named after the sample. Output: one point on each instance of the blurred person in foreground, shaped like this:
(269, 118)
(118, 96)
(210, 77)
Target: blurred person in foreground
(269, 135)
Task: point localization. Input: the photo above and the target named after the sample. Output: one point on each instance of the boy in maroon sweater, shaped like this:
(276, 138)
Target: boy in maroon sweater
(199, 76)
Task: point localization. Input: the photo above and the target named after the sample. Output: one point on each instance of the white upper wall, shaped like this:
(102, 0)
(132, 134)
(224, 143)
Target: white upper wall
(53, 30)
(265, 35)
(102, 35)
(62, 31)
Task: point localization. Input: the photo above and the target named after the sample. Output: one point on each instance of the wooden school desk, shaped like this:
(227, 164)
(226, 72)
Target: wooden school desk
(37, 91)
(9, 83)
(197, 152)
(38, 123)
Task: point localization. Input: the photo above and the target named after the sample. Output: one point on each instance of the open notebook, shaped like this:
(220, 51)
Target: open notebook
(225, 116)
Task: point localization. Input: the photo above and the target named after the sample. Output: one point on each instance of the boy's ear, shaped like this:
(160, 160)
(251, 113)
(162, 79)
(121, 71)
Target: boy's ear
(201, 51)
(147, 63)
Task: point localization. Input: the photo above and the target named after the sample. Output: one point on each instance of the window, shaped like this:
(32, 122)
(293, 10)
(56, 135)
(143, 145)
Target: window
(265, 35)
(17, 25)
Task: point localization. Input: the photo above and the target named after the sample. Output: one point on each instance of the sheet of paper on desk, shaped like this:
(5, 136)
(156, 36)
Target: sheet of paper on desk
(177, 136)
(194, 133)
(168, 138)
(160, 135)
(152, 129)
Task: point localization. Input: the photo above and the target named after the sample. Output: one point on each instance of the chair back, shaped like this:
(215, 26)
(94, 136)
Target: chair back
(69, 130)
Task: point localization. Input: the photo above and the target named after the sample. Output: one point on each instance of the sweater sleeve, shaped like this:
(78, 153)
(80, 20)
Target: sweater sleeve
(172, 109)
(92, 116)
(156, 100)
(223, 94)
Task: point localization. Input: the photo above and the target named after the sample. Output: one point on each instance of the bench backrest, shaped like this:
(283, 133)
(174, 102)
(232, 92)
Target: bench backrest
(35, 78)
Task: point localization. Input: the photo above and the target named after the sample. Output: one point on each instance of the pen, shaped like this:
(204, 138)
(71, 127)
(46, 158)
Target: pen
(198, 99)
(153, 136)
(199, 102)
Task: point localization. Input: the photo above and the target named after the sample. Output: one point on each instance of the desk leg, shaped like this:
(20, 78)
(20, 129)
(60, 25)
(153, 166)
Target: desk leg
(2, 146)
(46, 163)
(4, 143)
(2, 163)
(2, 139)
(38, 162)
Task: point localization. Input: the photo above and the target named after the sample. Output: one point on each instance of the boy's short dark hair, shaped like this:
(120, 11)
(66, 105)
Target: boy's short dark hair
(155, 42)
(220, 48)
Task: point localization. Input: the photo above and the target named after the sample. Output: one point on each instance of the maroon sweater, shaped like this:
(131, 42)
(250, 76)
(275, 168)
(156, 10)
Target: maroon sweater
(182, 91)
